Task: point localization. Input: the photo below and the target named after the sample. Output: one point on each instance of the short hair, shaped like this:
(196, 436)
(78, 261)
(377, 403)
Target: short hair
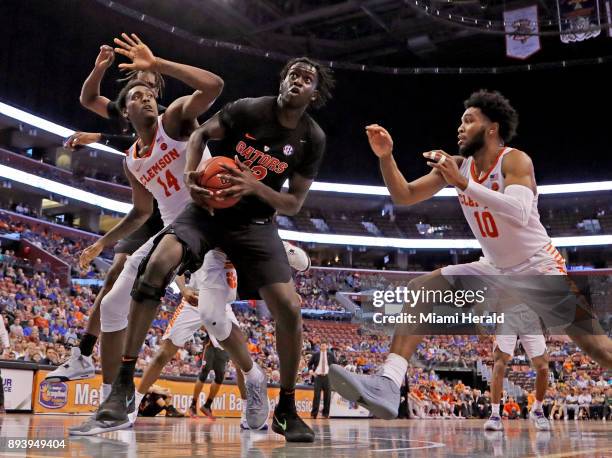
(121, 98)
(325, 79)
(497, 108)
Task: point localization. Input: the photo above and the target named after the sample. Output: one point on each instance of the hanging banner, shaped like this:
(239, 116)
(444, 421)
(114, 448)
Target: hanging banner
(523, 23)
(578, 19)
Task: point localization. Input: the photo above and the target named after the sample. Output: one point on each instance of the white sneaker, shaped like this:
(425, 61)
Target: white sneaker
(298, 258)
(539, 420)
(245, 425)
(494, 424)
(77, 367)
(257, 405)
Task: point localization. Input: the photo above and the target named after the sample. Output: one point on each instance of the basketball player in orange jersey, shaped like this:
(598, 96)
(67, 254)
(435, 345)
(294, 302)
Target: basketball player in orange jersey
(498, 194)
(153, 166)
(80, 364)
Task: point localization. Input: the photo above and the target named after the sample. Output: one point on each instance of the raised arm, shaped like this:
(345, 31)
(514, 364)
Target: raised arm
(118, 141)
(90, 96)
(136, 217)
(208, 86)
(402, 192)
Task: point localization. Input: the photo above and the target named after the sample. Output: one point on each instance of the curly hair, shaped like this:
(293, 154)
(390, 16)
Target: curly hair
(325, 79)
(121, 98)
(497, 108)
(160, 83)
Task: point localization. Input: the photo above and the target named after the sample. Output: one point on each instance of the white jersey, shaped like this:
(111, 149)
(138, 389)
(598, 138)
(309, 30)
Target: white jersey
(504, 243)
(161, 172)
(216, 283)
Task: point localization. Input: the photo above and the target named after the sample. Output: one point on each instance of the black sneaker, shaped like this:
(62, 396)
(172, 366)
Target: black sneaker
(287, 423)
(171, 411)
(120, 402)
(206, 410)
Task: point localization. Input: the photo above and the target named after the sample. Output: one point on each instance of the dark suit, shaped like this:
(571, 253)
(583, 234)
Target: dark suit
(321, 382)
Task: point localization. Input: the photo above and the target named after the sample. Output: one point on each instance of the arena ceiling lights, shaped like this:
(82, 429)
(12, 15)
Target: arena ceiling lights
(64, 132)
(450, 192)
(63, 190)
(331, 239)
(47, 126)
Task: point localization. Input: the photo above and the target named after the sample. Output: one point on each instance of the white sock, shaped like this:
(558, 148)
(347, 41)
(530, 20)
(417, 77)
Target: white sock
(537, 405)
(139, 397)
(395, 368)
(255, 375)
(495, 410)
(105, 391)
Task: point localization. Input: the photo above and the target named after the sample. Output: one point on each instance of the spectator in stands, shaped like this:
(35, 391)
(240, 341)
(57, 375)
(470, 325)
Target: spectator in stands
(584, 403)
(483, 404)
(597, 404)
(27, 329)
(51, 358)
(511, 409)
(16, 328)
(571, 403)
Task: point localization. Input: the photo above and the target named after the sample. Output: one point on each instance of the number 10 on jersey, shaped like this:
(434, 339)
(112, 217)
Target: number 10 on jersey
(486, 224)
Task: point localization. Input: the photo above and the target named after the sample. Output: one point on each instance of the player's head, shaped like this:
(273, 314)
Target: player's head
(488, 117)
(136, 102)
(305, 82)
(154, 79)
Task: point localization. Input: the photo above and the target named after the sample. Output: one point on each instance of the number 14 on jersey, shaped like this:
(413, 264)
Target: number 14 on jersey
(171, 182)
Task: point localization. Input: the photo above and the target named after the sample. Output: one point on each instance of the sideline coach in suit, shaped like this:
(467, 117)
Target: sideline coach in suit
(319, 367)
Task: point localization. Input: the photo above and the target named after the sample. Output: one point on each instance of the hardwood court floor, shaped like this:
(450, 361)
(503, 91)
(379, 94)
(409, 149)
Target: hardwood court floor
(184, 437)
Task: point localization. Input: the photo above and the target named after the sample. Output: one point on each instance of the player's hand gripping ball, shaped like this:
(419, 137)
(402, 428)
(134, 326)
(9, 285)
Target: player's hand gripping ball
(211, 178)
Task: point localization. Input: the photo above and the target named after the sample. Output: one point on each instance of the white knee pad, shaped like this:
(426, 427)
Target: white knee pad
(211, 303)
(115, 306)
(113, 317)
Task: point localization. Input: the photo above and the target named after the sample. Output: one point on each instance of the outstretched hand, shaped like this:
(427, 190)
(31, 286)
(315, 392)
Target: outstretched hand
(89, 254)
(106, 57)
(80, 139)
(134, 49)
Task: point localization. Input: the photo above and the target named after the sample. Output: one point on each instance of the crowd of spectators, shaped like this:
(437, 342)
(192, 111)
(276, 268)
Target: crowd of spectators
(42, 236)
(44, 320)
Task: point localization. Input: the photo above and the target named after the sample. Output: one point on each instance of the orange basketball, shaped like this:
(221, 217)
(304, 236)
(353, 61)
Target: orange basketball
(210, 178)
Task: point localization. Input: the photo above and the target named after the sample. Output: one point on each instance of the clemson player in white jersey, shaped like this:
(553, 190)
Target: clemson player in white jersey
(497, 191)
(520, 322)
(154, 167)
(214, 283)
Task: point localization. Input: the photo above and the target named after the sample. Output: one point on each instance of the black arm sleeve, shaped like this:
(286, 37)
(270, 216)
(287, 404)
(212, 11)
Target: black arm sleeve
(121, 141)
(113, 110)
